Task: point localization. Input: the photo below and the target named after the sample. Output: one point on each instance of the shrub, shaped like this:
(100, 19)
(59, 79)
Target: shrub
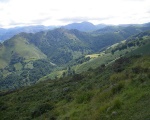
(140, 78)
(117, 88)
(117, 104)
(40, 109)
(118, 65)
(84, 97)
(77, 77)
(3, 106)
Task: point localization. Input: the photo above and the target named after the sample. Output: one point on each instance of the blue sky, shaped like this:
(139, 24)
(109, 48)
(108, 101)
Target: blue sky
(60, 12)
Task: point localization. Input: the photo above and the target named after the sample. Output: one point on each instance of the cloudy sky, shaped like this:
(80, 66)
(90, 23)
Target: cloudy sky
(60, 12)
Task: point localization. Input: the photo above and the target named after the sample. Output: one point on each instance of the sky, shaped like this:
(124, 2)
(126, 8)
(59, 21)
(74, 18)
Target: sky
(61, 12)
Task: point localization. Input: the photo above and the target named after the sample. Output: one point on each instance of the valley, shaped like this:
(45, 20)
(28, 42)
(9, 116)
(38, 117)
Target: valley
(67, 74)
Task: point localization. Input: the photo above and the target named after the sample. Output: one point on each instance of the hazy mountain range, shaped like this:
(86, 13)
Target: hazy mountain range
(84, 26)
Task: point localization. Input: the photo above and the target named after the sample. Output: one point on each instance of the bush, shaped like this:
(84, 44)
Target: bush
(40, 109)
(140, 78)
(118, 65)
(3, 106)
(117, 104)
(77, 77)
(83, 98)
(117, 88)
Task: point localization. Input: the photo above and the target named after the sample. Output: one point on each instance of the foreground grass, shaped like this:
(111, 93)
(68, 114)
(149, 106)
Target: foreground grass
(119, 91)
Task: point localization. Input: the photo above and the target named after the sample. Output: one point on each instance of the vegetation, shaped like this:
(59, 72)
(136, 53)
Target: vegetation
(135, 45)
(103, 93)
(24, 73)
(60, 48)
(110, 85)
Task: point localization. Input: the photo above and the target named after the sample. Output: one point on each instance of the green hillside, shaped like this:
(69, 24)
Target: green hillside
(78, 76)
(108, 92)
(138, 44)
(27, 57)
(18, 66)
(61, 45)
(19, 47)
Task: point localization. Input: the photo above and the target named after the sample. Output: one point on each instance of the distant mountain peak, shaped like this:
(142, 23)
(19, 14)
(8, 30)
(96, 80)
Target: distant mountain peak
(83, 26)
(85, 22)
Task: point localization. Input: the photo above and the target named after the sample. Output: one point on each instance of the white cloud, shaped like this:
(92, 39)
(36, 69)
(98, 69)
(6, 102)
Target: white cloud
(58, 12)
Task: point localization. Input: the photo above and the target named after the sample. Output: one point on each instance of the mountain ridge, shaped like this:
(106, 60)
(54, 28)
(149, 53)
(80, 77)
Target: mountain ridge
(83, 26)
(30, 56)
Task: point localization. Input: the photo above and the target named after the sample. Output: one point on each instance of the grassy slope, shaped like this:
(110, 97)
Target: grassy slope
(105, 57)
(27, 50)
(98, 94)
(142, 50)
(2, 60)
(21, 47)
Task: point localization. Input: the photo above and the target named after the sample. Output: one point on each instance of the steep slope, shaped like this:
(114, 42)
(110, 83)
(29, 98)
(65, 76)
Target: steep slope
(138, 44)
(19, 48)
(27, 57)
(108, 92)
(22, 63)
(61, 45)
(117, 91)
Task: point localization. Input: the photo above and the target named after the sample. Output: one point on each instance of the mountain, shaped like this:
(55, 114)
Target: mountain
(146, 24)
(115, 86)
(138, 44)
(62, 45)
(118, 91)
(84, 26)
(27, 57)
(18, 48)
(10, 32)
(22, 63)
(125, 30)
